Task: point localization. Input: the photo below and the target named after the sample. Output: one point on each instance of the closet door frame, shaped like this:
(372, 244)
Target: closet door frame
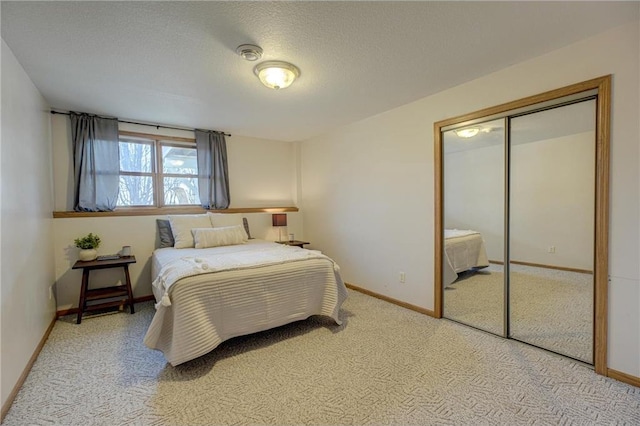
(601, 234)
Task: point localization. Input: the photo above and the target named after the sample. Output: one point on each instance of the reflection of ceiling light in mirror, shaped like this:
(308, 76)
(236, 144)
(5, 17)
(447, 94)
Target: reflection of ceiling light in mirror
(469, 132)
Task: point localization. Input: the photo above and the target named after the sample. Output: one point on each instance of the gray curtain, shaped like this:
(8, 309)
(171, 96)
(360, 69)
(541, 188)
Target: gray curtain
(213, 177)
(96, 162)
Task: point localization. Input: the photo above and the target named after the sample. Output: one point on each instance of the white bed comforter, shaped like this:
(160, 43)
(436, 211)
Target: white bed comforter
(206, 296)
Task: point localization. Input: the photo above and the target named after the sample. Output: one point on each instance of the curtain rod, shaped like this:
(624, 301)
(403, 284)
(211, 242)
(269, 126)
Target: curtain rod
(157, 126)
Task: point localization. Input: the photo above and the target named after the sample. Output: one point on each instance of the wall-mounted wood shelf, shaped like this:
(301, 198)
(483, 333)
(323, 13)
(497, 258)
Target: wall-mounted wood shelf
(153, 211)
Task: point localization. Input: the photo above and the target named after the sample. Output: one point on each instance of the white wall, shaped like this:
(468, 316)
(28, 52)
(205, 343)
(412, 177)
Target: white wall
(552, 201)
(368, 188)
(26, 225)
(262, 173)
(474, 195)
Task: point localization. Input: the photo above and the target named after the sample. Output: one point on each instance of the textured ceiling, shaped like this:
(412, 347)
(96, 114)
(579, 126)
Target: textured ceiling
(175, 62)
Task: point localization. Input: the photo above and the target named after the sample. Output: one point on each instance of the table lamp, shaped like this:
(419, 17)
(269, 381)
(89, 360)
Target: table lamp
(279, 220)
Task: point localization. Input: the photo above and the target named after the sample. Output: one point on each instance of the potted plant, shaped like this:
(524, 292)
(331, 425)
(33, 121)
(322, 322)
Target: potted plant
(88, 246)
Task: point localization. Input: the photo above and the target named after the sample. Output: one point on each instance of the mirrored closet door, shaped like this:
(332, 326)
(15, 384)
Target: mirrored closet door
(521, 208)
(551, 228)
(474, 159)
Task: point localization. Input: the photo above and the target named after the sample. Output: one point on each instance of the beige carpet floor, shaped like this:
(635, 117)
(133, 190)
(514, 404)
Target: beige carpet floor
(384, 365)
(549, 308)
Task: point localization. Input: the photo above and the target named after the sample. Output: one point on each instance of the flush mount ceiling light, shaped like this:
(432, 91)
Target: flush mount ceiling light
(469, 132)
(276, 74)
(250, 52)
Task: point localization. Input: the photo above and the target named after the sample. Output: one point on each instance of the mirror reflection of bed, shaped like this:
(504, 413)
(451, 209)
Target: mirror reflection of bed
(464, 250)
(472, 286)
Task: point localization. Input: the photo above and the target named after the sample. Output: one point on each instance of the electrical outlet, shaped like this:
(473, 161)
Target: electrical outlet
(402, 277)
(551, 249)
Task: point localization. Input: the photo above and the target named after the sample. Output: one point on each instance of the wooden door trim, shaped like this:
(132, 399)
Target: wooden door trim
(601, 234)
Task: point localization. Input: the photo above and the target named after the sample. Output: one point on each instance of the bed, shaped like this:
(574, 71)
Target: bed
(208, 295)
(464, 250)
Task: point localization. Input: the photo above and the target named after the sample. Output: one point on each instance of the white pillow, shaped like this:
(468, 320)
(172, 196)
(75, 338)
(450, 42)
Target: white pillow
(227, 219)
(181, 226)
(222, 236)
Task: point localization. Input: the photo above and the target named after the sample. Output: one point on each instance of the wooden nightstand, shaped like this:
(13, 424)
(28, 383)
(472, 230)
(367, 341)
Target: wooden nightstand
(293, 243)
(123, 292)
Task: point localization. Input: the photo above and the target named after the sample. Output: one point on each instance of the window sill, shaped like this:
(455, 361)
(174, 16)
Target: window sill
(159, 211)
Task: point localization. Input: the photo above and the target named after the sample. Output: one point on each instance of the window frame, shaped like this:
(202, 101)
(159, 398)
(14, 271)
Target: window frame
(160, 174)
(151, 174)
(157, 174)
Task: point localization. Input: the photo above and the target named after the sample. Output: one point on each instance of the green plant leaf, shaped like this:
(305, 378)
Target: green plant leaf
(90, 241)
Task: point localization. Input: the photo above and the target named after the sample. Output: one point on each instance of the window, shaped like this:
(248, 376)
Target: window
(179, 175)
(157, 171)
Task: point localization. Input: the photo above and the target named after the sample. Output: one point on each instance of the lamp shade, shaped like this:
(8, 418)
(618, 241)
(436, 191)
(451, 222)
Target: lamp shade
(279, 219)
(276, 74)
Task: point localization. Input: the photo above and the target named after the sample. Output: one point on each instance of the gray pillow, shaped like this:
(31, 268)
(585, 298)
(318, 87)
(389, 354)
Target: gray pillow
(246, 227)
(164, 230)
